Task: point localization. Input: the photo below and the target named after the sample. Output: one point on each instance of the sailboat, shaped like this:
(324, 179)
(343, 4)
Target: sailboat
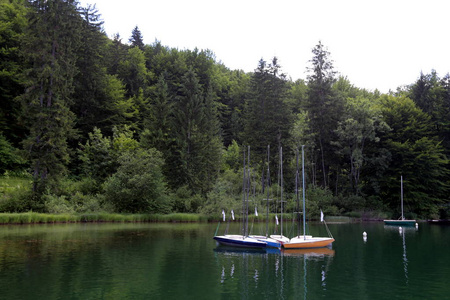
(270, 242)
(280, 237)
(306, 241)
(401, 221)
(243, 240)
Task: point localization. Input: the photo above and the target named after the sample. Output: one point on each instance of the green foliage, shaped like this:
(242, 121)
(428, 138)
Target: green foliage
(324, 106)
(319, 198)
(185, 202)
(414, 150)
(225, 195)
(196, 161)
(301, 132)
(138, 185)
(57, 205)
(136, 39)
(17, 198)
(97, 156)
(51, 57)
(13, 23)
(266, 117)
(232, 157)
(361, 125)
(10, 157)
(73, 91)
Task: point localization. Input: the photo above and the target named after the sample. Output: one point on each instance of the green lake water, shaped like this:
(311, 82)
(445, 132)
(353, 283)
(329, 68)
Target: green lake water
(182, 261)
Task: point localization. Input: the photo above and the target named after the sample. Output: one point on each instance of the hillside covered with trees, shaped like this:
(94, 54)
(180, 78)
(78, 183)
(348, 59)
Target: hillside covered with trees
(100, 124)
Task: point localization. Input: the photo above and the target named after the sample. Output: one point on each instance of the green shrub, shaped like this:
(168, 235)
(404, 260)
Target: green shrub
(57, 205)
(225, 195)
(138, 185)
(85, 203)
(17, 200)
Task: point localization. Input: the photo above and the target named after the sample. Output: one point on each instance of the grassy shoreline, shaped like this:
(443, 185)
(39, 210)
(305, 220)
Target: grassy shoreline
(45, 218)
(42, 218)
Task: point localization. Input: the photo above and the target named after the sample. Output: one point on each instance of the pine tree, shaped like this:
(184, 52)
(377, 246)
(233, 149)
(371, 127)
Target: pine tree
(158, 121)
(196, 132)
(324, 108)
(51, 42)
(136, 39)
(267, 119)
(12, 27)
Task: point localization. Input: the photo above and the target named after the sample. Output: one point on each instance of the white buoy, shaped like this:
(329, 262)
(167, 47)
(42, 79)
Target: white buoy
(365, 234)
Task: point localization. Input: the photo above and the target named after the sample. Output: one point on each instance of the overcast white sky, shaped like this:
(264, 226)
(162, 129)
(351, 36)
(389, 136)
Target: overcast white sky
(378, 44)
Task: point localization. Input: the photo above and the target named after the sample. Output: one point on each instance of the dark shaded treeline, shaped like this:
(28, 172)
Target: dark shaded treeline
(129, 127)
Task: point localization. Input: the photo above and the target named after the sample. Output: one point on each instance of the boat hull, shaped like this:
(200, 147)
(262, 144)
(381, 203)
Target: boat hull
(239, 241)
(400, 222)
(280, 238)
(307, 242)
(271, 243)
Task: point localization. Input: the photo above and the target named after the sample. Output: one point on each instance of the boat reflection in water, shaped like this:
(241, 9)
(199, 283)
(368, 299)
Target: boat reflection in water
(402, 231)
(252, 273)
(309, 253)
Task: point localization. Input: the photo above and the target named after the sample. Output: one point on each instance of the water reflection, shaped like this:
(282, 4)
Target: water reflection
(249, 272)
(180, 261)
(402, 230)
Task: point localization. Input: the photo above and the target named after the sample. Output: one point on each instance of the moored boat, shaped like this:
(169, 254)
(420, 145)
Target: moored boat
(280, 237)
(401, 221)
(306, 241)
(236, 240)
(239, 241)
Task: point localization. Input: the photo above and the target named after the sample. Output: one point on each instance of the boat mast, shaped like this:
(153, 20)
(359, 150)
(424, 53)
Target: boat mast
(281, 194)
(296, 193)
(401, 194)
(303, 178)
(267, 187)
(248, 192)
(243, 198)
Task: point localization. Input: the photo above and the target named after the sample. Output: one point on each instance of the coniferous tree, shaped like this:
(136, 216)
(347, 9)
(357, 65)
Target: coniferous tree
(196, 135)
(444, 113)
(116, 54)
(266, 118)
(325, 109)
(158, 121)
(91, 82)
(51, 55)
(13, 23)
(136, 39)
(188, 114)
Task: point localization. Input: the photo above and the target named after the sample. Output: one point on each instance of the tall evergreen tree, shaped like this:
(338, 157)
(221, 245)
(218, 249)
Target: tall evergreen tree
(116, 54)
(325, 109)
(52, 39)
(12, 26)
(267, 119)
(421, 92)
(195, 128)
(158, 121)
(91, 82)
(136, 39)
(444, 113)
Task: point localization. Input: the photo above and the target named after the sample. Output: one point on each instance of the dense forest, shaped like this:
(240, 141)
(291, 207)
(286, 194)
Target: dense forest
(100, 124)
